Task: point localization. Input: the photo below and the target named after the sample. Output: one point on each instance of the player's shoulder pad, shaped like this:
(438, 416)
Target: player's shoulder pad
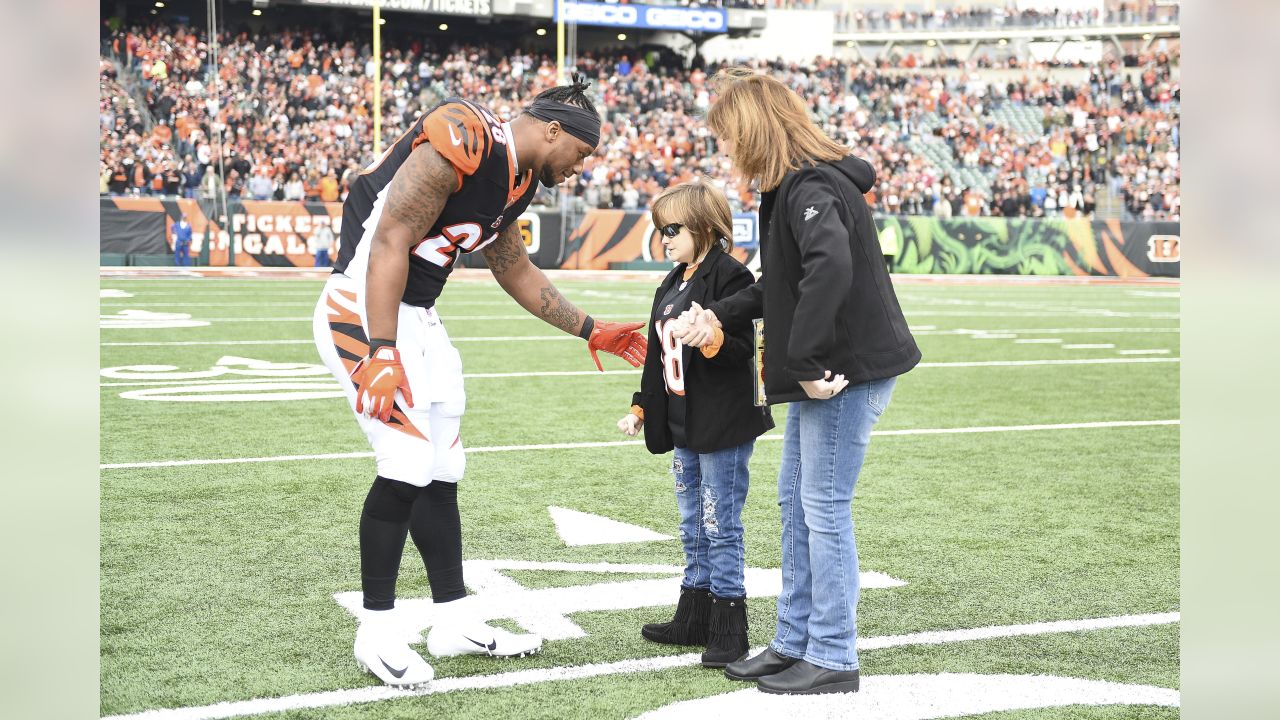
(458, 132)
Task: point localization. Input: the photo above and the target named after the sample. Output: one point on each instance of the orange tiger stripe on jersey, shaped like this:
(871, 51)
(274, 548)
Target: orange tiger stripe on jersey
(351, 345)
(341, 318)
(401, 422)
(459, 135)
(348, 335)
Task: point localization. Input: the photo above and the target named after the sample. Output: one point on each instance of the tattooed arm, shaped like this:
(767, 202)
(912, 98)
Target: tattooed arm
(415, 198)
(530, 287)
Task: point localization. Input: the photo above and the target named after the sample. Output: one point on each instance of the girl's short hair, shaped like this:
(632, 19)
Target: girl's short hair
(700, 207)
(769, 126)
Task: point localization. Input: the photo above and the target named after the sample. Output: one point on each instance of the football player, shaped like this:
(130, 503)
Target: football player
(454, 183)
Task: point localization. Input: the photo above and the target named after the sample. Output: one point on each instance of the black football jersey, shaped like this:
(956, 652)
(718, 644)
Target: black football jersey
(491, 194)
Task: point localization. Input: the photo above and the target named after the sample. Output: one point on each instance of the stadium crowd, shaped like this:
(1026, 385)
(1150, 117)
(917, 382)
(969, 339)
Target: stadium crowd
(963, 18)
(293, 111)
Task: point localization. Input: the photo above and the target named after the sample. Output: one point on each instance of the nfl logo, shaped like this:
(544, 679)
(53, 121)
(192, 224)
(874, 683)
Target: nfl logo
(667, 311)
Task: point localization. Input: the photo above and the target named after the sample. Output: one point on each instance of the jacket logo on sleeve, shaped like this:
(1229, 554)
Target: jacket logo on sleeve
(810, 213)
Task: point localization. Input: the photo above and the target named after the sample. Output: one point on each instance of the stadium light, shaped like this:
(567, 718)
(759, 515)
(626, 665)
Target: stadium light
(1146, 36)
(154, 11)
(256, 11)
(541, 32)
(622, 36)
(382, 21)
(444, 26)
(932, 43)
(1003, 42)
(159, 4)
(848, 43)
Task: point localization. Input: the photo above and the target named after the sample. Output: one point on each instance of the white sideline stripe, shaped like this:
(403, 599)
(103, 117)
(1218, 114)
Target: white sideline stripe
(1144, 352)
(1089, 346)
(477, 338)
(623, 443)
(958, 364)
(579, 373)
(941, 313)
(518, 678)
(1038, 341)
(125, 303)
(925, 330)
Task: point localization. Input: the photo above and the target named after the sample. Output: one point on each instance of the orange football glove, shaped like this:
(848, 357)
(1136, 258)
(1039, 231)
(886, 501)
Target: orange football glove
(377, 378)
(619, 339)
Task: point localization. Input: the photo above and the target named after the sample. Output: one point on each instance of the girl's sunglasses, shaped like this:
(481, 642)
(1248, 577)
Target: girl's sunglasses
(671, 230)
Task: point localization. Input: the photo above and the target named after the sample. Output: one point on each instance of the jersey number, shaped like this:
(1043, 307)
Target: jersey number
(672, 358)
(443, 249)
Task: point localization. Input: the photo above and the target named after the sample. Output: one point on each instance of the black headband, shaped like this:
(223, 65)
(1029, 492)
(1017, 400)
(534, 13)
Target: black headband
(578, 122)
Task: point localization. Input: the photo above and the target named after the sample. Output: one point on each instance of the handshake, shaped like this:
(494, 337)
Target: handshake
(695, 327)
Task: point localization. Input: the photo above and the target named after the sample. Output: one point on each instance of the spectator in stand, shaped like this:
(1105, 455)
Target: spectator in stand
(329, 187)
(260, 187)
(293, 189)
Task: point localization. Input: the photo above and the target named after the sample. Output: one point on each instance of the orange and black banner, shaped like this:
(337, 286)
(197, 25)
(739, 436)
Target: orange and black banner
(258, 233)
(276, 234)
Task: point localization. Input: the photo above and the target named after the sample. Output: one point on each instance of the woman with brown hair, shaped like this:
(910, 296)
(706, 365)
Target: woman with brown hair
(835, 341)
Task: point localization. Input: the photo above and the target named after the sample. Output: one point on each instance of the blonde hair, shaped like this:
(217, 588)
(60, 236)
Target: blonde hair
(699, 206)
(769, 126)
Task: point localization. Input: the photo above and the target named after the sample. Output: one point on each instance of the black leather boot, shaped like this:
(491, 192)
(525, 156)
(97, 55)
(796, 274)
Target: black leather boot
(728, 632)
(754, 668)
(689, 626)
(805, 678)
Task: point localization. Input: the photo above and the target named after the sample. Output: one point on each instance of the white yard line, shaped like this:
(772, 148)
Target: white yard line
(517, 678)
(1038, 341)
(925, 330)
(1032, 363)
(1089, 346)
(958, 313)
(1145, 352)
(1045, 331)
(589, 373)
(125, 304)
(487, 338)
(623, 443)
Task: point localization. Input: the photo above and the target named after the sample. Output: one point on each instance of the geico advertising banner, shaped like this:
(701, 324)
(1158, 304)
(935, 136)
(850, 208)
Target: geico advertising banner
(437, 7)
(709, 20)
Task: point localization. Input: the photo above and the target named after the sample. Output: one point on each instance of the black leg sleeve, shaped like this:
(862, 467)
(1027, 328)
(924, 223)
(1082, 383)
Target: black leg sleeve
(437, 531)
(384, 524)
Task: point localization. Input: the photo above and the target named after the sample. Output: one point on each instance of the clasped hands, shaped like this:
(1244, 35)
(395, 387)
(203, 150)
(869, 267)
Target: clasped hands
(696, 327)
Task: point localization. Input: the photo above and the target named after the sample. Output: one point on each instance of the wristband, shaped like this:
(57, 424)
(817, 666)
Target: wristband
(638, 412)
(376, 344)
(587, 326)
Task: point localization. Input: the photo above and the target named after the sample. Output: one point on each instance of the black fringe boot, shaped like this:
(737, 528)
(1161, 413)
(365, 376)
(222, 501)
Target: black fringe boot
(728, 641)
(689, 626)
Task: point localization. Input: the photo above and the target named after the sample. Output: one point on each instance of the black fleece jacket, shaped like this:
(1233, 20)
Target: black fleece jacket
(825, 295)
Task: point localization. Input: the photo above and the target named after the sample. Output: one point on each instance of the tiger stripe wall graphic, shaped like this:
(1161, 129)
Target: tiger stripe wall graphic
(275, 234)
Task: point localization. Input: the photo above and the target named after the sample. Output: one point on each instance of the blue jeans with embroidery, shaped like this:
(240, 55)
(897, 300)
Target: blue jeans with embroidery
(710, 490)
(822, 452)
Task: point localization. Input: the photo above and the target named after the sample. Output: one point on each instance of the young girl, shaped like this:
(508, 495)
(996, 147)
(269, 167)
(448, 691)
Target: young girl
(701, 404)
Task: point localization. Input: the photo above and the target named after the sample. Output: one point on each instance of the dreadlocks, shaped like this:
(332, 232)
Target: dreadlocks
(569, 106)
(574, 93)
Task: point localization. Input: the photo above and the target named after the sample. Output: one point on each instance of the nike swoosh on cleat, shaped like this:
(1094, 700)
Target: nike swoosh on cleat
(490, 647)
(397, 674)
